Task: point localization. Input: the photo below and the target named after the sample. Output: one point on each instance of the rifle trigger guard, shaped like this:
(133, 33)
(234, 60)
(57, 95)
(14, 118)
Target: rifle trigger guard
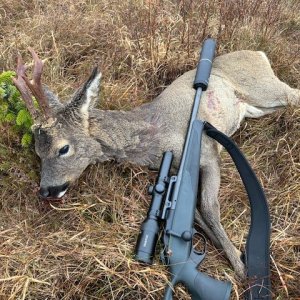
(202, 237)
(198, 256)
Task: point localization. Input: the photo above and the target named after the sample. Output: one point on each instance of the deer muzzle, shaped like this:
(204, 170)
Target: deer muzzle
(54, 191)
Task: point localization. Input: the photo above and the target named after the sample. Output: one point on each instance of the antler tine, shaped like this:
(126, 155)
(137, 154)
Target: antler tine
(36, 85)
(21, 86)
(38, 66)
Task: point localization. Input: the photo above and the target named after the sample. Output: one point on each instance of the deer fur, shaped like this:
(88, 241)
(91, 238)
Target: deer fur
(242, 84)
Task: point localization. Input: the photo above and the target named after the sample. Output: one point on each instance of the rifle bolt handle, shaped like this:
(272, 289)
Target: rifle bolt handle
(159, 188)
(186, 236)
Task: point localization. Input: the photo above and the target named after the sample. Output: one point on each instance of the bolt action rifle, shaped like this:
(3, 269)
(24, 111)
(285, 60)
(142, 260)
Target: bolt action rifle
(174, 201)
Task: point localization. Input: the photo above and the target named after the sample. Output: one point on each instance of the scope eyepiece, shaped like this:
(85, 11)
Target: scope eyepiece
(147, 239)
(145, 246)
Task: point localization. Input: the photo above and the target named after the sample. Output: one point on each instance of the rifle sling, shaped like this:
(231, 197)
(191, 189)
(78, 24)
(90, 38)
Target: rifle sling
(257, 257)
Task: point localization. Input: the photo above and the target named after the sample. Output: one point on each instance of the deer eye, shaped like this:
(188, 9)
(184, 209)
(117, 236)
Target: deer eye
(64, 150)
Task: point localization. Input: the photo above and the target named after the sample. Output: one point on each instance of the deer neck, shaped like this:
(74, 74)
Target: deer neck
(127, 135)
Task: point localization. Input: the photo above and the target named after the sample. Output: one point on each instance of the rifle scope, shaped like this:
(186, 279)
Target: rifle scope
(147, 239)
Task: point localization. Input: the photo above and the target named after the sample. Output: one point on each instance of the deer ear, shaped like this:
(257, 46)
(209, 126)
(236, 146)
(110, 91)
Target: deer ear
(86, 97)
(53, 102)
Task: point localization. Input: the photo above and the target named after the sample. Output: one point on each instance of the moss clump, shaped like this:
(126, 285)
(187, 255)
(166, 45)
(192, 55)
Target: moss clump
(13, 110)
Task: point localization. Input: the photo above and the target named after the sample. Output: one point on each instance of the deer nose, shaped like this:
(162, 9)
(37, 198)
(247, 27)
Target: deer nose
(54, 191)
(44, 192)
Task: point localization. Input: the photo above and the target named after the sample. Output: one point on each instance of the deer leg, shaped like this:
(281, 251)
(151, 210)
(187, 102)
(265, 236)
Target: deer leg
(210, 211)
(207, 230)
(201, 222)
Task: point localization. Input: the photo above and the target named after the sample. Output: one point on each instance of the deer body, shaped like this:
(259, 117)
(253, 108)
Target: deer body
(161, 124)
(242, 84)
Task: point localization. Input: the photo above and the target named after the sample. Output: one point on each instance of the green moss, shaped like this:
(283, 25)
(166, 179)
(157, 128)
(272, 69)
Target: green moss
(13, 110)
(26, 140)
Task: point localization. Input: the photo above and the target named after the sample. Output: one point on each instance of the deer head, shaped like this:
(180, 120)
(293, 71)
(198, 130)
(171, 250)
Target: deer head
(61, 132)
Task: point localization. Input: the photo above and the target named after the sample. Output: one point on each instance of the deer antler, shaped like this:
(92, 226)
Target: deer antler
(22, 87)
(35, 86)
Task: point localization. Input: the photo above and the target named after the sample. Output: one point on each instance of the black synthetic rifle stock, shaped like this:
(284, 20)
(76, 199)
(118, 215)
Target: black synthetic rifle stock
(173, 203)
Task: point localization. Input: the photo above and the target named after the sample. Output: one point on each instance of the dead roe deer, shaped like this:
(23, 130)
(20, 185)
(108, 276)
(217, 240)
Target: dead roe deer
(70, 136)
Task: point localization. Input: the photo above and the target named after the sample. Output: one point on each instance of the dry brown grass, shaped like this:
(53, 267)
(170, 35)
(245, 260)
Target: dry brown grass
(83, 248)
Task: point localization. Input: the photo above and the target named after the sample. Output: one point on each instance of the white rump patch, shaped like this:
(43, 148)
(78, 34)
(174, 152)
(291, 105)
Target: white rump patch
(257, 112)
(253, 112)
